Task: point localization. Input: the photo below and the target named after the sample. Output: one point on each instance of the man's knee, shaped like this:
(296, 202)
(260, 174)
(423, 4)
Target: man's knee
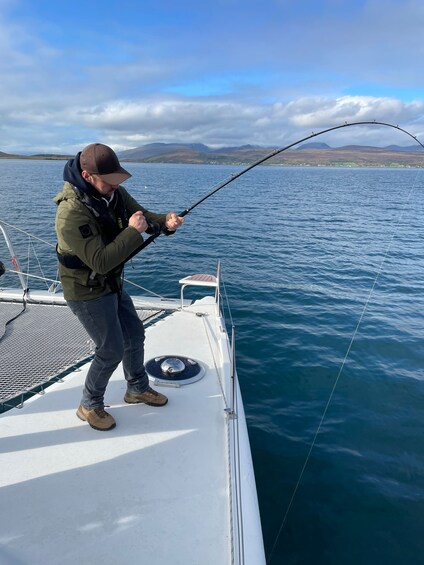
(110, 356)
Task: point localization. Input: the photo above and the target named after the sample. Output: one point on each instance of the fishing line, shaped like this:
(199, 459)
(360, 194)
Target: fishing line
(355, 333)
(235, 176)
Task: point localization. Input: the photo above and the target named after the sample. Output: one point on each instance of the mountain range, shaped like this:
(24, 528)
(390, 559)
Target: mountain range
(307, 154)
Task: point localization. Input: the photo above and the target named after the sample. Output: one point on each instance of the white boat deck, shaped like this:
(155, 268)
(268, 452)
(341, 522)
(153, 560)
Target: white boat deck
(157, 489)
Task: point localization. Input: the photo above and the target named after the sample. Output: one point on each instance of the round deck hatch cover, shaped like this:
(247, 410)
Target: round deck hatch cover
(174, 369)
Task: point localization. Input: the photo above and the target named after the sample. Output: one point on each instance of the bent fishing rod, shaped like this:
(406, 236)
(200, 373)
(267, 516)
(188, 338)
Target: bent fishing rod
(275, 152)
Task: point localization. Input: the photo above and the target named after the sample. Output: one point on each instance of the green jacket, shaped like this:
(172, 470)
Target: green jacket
(80, 234)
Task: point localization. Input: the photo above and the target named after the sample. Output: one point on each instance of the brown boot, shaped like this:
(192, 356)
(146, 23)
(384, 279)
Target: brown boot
(149, 396)
(97, 418)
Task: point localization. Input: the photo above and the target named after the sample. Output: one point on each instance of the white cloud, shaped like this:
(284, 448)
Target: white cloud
(213, 122)
(316, 112)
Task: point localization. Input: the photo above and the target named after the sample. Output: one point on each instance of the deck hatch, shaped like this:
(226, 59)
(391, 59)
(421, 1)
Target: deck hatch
(174, 370)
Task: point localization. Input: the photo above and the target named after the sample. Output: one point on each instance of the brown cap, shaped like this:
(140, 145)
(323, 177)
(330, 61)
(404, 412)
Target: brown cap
(101, 160)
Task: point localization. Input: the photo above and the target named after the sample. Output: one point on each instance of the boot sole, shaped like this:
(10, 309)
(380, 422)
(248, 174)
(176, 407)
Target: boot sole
(81, 417)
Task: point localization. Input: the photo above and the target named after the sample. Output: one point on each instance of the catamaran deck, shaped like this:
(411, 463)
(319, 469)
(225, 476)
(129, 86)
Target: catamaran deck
(156, 489)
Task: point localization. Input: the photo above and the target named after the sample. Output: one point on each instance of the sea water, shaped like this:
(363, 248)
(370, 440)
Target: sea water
(324, 272)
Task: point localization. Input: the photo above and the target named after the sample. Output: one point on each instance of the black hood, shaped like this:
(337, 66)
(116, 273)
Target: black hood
(94, 201)
(72, 174)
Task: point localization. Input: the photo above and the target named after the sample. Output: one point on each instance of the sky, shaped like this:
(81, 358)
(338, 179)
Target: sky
(219, 72)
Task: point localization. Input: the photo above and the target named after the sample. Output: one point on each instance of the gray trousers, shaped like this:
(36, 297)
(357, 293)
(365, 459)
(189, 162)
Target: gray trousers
(118, 334)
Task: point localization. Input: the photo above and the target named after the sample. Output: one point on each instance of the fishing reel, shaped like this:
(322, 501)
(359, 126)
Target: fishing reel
(156, 229)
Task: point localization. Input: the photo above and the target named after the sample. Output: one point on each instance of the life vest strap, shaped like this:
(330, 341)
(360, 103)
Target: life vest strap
(70, 261)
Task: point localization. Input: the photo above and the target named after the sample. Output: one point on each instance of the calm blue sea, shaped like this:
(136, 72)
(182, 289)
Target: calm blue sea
(324, 269)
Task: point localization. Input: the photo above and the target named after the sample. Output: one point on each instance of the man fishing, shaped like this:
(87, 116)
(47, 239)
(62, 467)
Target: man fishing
(99, 226)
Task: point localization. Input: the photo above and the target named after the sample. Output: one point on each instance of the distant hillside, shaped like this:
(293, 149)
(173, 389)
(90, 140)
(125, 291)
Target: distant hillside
(395, 148)
(39, 156)
(314, 145)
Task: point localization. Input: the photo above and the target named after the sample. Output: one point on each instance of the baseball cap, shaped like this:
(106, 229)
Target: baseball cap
(101, 160)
